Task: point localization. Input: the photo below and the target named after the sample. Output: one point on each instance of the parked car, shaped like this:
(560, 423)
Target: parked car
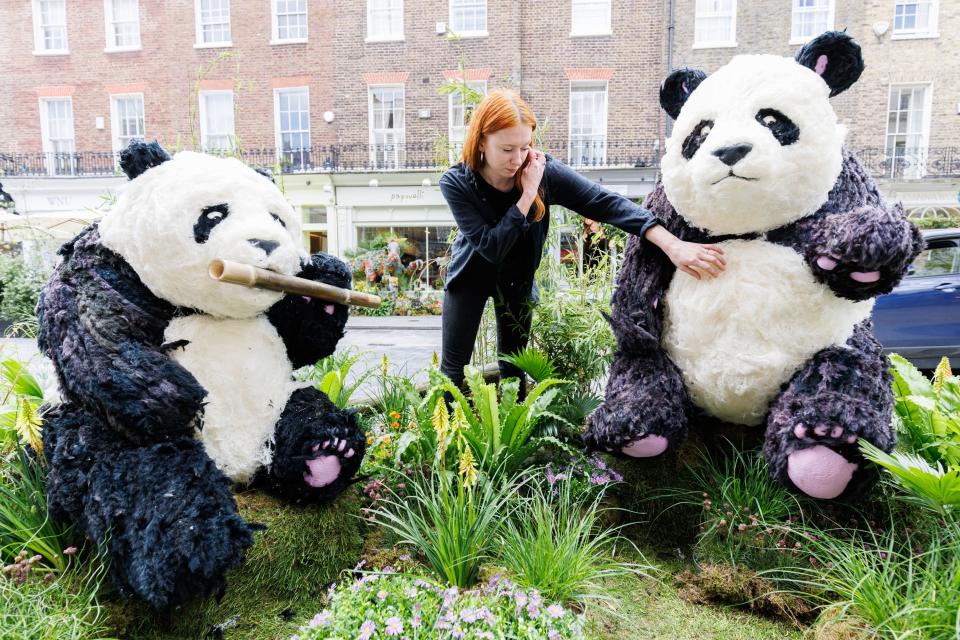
(920, 319)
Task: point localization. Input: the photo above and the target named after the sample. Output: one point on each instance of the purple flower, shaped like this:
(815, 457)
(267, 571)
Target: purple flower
(468, 615)
(394, 626)
(458, 632)
(366, 630)
(382, 594)
(533, 611)
(535, 598)
(553, 635)
(555, 611)
(322, 619)
(411, 592)
(416, 621)
(521, 598)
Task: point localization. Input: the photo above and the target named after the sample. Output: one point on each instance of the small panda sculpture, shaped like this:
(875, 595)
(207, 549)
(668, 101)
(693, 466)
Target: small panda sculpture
(782, 338)
(176, 386)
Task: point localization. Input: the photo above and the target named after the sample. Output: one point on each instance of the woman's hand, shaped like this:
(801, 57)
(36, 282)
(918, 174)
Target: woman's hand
(532, 174)
(690, 257)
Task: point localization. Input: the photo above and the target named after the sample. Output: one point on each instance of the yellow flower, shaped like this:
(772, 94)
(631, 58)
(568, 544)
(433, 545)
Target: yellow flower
(369, 439)
(394, 425)
(386, 439)
(468, 468)
(29, 425)
(441, 420)
(941, 373)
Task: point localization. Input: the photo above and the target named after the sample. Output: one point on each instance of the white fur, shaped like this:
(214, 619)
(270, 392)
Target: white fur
(243, 366)
(151, 226)
(739, 336)
(791, 181)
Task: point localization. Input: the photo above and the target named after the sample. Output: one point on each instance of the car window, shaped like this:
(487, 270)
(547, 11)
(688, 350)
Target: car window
(941, 257)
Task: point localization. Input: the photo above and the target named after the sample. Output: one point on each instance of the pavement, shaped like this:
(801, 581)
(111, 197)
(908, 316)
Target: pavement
(408, 341)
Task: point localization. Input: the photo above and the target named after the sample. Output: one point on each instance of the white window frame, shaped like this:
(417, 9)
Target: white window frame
(115, 118)
(596, 85)
(372, 37)
(204, 125)
(795, 11)
(199, 43)
(274, 16)
(109, 21)
(38, 39)
(478, 85)
(576, 25)
(920, 158)
(46, 142)
(481, 33)
(720, 44)
(278, 134)
(399, 142)
(915, 34)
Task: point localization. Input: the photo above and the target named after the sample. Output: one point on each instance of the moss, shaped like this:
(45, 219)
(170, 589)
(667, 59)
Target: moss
(282, 582)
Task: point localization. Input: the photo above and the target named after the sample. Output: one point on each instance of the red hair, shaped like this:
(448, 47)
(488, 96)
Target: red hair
(501, 109)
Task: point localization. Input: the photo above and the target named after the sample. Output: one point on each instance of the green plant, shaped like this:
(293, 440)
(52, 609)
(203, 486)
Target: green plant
(900, 585)
(330, 376)
(940, 222)
(927, 412)
(739, 500)
(404, 606)
(450, 518)
(555, 543)
(20, 285)
(20, 418)
(925, 484)
(501, 433)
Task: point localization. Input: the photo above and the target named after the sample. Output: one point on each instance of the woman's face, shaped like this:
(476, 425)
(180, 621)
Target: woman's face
(506, 150)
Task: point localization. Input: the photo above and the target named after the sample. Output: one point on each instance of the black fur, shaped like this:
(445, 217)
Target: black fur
(844, 60)
(140, 156)
(783, 128)
(677, 88)
(209, 218)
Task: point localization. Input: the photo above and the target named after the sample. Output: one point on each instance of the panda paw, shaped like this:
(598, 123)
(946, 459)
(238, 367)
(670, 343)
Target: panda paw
(863, 253)
(324, 469)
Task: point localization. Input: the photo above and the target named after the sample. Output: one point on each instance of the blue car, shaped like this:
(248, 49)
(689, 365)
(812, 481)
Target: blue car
(920, 319)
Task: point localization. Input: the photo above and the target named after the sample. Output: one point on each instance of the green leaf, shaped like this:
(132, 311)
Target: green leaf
(534, 362)
(927, 484)
(331, 385)
(907, 379)
(22, 382)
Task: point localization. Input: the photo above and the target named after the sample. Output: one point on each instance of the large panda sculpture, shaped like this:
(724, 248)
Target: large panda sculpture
(781, 338)
(176, 386)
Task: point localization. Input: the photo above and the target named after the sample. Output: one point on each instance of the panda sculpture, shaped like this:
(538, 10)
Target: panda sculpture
(175, 386)
(782, 337)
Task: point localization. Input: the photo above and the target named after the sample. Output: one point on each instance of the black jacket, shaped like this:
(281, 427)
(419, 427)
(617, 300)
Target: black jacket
(498, 247)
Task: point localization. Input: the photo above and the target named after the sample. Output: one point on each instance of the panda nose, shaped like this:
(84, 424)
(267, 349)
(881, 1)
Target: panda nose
(267, 245)
(733, 154)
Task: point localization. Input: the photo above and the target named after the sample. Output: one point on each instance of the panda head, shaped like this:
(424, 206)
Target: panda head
(176, 215)
(757, 145)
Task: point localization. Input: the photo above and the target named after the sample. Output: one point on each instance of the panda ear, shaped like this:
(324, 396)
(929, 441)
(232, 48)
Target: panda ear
(140, 156)
(835, 57)
(677, 88)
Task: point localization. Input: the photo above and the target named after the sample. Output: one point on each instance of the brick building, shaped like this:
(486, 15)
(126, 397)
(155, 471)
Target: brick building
(344, 95)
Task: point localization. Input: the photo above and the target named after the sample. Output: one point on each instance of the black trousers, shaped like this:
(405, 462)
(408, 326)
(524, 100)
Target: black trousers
(462, 311)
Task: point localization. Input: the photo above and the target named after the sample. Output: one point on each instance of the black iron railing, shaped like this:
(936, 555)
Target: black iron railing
(583, 154)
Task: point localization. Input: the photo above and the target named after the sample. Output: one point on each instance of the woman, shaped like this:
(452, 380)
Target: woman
(500, 197)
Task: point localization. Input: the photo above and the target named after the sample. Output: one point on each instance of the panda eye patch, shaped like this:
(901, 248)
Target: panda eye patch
(278, 219)
(693, 141)
(782, 127)
(209, 218)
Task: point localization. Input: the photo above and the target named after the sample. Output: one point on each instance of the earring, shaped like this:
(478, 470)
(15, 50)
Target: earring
(481, 157)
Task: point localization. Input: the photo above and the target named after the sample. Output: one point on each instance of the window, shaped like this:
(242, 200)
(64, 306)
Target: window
(810, 19)
(122, 24)
(126, 117)
(56, 128)
(289, 20)
(588, 123)
(458, 128)
(590, 17)
(427, 243)
(915, 19)
(213, 23)
(50, 26)
(940, 257)
(715, 23)
(384, 19)
(292, 113)
(468, 17)
(908, 129)
(386, 127)
(217, 131)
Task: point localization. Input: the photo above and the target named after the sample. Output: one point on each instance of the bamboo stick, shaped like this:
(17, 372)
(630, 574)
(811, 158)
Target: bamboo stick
(250, 276)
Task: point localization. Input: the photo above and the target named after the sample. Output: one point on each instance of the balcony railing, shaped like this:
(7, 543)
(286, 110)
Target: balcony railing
(900, 164)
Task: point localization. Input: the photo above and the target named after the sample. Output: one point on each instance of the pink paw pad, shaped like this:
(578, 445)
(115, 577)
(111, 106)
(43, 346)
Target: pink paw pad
(826, 263)
(820, 472)
(800, 431)
(322, 471)
(646, 447)
(866, 277)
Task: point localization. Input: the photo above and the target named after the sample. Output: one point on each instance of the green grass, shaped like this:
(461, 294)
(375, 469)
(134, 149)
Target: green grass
(64, 609)
(283, 580)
